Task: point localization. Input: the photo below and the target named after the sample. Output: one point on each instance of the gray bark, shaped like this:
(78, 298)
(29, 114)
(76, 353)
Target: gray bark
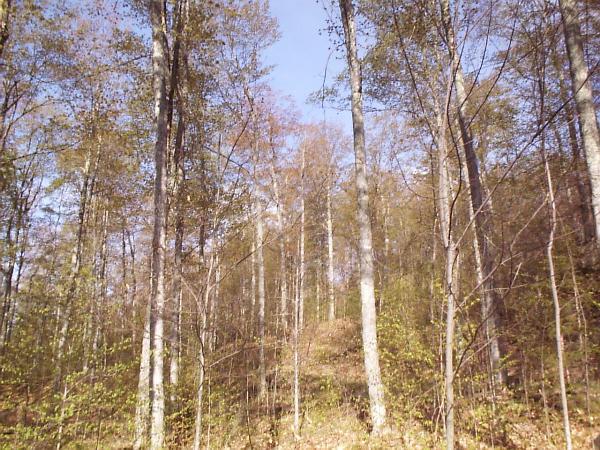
(204, 307)
(367, 286)
(556, 303)
(483, 220)
(444, 199)
(584, 101)
(159, 76)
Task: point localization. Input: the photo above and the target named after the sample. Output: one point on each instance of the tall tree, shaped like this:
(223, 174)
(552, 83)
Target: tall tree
(584, 101)
(479, 204)
(160, 71)
(367, 282)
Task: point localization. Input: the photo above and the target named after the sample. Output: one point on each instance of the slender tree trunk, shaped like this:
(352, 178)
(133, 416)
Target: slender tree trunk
(176, 307)
(159, 75)
(582, 326)
(367, 286)
(302, 231)
(483, 220)
(555, 301)
(261, 298)
(330, 269)
(204, 306)
(584, 101)
(134, 305)
(444, 199)
(386, 250)
(214, 311)
(296, 341)
(283, 309)
(541, 85)
(253, 285)
(142, 409)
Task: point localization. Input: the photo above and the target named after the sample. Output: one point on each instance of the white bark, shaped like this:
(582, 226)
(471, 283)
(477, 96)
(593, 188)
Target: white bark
(302, 229)
(584, 101)
(296, 342)
(261, 299)
(330, 269)
(159, 74)
(444, 199)
(142, 410)
(367, 286)
(283, 309)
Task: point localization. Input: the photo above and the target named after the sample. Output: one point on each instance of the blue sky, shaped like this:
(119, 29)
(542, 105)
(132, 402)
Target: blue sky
(300, 56)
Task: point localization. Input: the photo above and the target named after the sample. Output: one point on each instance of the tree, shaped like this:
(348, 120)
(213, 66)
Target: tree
(160, 71)
(584, 101)
(367, 286)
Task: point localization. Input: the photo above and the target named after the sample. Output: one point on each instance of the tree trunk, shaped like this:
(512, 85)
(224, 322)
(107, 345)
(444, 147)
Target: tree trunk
(261, 298)
(302, 231)
(584, 101)
(176, 307)
(555, 301)
(330, 270)
(142, 409)
(483, 220)
(444, 206)
(296, 341)
(585, 211)
(367, 286)
(283, 309)
(159, 75)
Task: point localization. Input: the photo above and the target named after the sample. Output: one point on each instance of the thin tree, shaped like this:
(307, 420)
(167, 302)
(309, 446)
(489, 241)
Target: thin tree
(367, 285)
(481, 209)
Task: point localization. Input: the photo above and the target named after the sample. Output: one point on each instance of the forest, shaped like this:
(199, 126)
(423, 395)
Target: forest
(187, 261)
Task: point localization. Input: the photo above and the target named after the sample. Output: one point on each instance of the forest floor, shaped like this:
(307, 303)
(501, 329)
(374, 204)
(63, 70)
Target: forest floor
(335, 414)
(335, 409)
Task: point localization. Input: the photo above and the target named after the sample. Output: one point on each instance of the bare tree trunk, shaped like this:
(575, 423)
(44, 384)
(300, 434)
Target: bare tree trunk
(134, 305)
(386, 250)
(557, 321)
(176, 307)
(214, 312)
(204, 305)
(444, 207)
(483, 220)
(585, 211)
(584, 101)
(142, 409)
(261, 298)
(582, 327)
(283, 309)
(330, 270)
(302, 230)
(296, 341)
(367, 286)
(159, 75)
(253, 285)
